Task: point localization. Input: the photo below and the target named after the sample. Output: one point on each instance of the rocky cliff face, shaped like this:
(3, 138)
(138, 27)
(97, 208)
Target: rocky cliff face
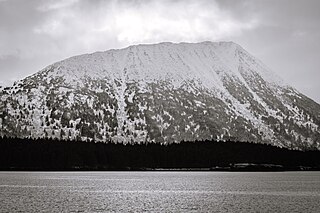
(161, 93)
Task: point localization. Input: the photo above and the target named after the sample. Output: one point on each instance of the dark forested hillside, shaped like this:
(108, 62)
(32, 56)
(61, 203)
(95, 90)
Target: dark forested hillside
(29, 154)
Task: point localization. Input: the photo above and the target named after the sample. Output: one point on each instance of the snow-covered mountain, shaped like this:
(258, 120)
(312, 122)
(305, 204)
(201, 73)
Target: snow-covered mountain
(161, 93)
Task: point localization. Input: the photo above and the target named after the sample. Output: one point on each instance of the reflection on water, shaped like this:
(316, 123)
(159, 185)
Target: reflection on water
(159, 191)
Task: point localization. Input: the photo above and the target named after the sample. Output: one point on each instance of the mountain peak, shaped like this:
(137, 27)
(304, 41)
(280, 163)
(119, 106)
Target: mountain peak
(160, 61)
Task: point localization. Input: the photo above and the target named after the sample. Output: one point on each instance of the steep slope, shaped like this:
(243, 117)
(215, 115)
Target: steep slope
(161, 93)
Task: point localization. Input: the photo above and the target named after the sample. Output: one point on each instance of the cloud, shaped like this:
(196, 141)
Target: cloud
(178, 22)
(150, 21)
(56, 4)
(48, 27)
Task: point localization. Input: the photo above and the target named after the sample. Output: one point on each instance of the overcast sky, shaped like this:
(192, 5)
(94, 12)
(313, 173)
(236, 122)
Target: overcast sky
(284, 34)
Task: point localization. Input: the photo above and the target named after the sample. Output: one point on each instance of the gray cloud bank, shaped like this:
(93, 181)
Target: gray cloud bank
(284, 34)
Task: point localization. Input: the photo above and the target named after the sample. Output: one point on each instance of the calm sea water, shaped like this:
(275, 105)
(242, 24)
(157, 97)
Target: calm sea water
(159, 192)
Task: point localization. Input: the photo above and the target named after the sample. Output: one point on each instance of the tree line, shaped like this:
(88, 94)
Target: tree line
(52, 154)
